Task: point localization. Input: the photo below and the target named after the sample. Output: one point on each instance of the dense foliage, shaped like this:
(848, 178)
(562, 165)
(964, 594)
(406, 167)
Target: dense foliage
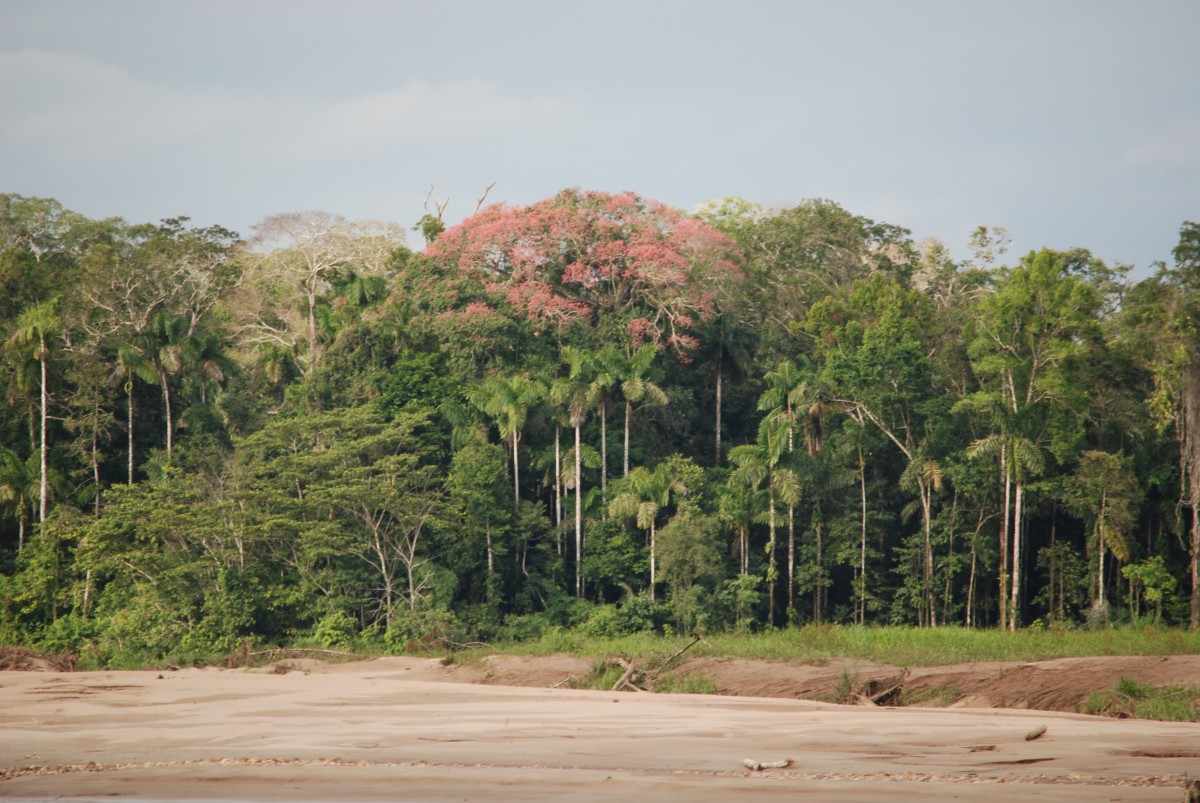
(592, 412)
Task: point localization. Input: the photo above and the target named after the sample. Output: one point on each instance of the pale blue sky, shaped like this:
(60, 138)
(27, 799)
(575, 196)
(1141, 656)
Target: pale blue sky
(1072, 123)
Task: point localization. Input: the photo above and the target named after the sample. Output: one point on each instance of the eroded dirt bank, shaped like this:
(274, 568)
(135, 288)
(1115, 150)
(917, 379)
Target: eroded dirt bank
(1059, 685)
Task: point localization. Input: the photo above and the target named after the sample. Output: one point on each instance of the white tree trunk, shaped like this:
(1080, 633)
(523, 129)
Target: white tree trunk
(167, 406)
(653, 574)
(130, 419)
(42, 483)
(1015, 599)
(516, 474)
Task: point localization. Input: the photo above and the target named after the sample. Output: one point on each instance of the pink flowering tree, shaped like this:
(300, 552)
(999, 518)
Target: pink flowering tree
(621, 264)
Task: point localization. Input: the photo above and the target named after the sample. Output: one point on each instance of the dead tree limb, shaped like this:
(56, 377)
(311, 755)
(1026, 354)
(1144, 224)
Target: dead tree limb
(483, 198)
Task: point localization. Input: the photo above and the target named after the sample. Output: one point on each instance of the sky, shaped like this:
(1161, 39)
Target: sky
(1072, 123)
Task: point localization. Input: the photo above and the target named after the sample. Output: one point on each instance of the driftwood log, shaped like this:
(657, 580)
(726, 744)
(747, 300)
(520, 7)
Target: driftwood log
(635, 679)
(757, 766)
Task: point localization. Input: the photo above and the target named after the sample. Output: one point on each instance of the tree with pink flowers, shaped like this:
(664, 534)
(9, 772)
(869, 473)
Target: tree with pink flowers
(624, 265)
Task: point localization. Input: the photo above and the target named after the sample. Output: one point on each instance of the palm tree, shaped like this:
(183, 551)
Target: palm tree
(758, 465)
(571, 392)
(18, 485)
(131, 363)
(507, 401)
(206, 352)
(168, 348)
(923, 474)
(735, 342)
(604, 381)
(736, 507)
(636, 388)
(644, 494)
(35, 328)
(785, 394)
(790, 402)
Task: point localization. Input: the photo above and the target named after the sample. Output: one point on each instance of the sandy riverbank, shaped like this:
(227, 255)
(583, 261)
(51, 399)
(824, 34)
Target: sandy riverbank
(410, 729)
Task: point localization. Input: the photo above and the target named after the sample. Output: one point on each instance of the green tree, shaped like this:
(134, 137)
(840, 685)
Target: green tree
(876, 360)
(631, 372)
(1032, 334)
(1020, 461)
(131, 363)
(1104, 493)
(19, 481)
(508, 401)
(292, 259)
(573, 393)
(762, 465)
(36, 329)
(475, 485)
(1172, 324)
(642, 495)
(1151, 580)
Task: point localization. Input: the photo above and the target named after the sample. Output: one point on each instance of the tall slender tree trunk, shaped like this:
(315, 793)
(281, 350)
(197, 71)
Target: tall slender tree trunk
(927, 556)
(312, 331)
(1189, 458)
(558, 485)
(578, 517)
(1014, 606)
(628, 421)
(791, 551)
(604, 452)
(717, 422)
(491, 553)
(167, 406)
(771, 573)
(516, 474)
(862, 547)
(971, 589)
(42, 482)
(819, 579)
(1194, 622)
(129, 419)
(946, 589)
(653, 550)
(96, 473)
(744, 546)
(1005, 527)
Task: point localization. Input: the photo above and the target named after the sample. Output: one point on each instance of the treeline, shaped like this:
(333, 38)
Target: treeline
(595, 411)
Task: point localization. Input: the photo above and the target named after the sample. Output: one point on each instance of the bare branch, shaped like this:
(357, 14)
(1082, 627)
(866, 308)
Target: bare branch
(482, 198)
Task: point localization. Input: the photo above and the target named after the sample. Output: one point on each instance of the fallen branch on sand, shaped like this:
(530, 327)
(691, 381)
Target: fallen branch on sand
(632, 676)
(758, 766)
(626, 681)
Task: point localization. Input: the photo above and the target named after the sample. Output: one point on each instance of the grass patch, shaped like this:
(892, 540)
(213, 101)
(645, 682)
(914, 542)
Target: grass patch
(1131, 699)
(899, 646)
(600, 677)
(686, 684)
(846, 689)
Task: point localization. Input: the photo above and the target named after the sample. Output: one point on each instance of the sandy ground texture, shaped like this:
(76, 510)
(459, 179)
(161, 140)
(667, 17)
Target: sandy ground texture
(411, 729)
